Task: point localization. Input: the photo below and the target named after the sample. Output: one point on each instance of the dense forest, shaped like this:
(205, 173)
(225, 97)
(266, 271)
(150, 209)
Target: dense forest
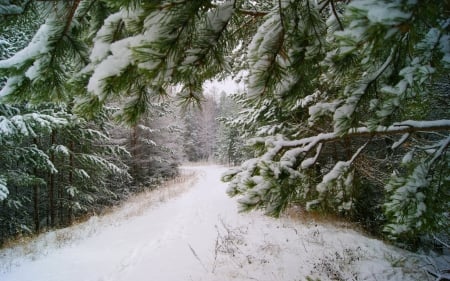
(344, 110)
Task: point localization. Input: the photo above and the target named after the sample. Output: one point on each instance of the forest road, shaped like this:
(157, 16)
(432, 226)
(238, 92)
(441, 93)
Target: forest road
(198, 235)
(174, 240)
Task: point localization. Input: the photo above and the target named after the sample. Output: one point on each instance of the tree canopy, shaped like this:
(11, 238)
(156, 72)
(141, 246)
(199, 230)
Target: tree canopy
(341, 96)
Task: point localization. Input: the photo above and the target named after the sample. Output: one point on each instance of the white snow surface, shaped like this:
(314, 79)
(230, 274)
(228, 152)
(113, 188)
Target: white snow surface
(198, 235)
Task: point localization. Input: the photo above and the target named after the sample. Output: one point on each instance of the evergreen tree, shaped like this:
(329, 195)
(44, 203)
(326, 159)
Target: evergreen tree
(153, 144)
(231, 149)
(54, 167)
(339, 93)
(329, 100)
(199, 133)
(24, 164)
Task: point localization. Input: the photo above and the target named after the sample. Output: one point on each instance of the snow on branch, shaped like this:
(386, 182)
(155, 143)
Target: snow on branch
(39, 45)
(104, 37)
(263, 53)
(215, 24)
(7, 8)
(344, 112)
(409, 195)
(3, 188)
(26, 124)
(338, 169)
(439, 152)
(408, 126)
(311, 161)
(113, 65)
(32, 63)
(400, 141)
(292, 150)
(408, 206)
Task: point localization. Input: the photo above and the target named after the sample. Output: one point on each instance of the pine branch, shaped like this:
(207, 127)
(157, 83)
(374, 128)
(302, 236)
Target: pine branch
(71, 15)
(252, 13)
(333, 9)
(404, 127)
(319, 39)
(212, 36)
(297, 147)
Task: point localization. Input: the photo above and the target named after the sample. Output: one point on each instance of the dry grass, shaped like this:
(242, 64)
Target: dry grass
(134, 206)
(298, 213)
(138, 203)
(18, 240)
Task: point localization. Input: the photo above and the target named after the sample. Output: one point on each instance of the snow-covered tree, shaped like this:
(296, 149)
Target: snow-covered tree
(54, 166)
(145, 49)
(329, 87)
(230, 148)
(199, 130)
(338, 92)
(154, 144)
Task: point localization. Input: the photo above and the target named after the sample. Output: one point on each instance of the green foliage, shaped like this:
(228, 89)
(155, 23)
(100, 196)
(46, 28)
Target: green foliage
(418, 201)
(333, 92)
(56, 163)
(41, 150)
(319, 112)
(231, 148)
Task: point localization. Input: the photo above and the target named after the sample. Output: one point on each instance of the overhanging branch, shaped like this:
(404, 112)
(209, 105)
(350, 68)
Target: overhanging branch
(252, 13)
(404, 127)
(297, 147)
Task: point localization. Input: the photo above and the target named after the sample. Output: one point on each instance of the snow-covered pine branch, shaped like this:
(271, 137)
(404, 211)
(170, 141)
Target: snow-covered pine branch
(415, 199)
(290, 156)
(35, 72)
(408, 126)
(264, 55)
(27, 124)
(207, 41)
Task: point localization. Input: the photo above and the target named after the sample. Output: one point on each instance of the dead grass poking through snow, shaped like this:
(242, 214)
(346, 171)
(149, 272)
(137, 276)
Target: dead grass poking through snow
(137, 204)
(299, 214)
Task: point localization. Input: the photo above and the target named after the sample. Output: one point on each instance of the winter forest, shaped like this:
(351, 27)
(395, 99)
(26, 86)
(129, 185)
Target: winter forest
(343, 108)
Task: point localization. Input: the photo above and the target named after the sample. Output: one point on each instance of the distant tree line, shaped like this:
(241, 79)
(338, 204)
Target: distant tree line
(208, 135)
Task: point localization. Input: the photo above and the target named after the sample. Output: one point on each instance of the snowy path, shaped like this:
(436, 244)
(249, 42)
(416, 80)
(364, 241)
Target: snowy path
(199, 236)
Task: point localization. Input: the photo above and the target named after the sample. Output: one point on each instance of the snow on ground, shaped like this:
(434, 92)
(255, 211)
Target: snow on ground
(198, 235)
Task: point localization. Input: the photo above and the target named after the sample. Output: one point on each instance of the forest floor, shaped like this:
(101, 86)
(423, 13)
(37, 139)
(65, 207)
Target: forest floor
(191, 230)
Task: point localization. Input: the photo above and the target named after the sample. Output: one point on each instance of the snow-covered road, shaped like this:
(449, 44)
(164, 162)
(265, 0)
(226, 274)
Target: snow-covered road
(198, 235)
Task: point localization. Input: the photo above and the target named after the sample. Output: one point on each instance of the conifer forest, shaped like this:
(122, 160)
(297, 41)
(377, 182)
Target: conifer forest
(343, 108)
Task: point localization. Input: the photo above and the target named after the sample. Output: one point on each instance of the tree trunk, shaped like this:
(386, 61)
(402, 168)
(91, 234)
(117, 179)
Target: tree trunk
(37, 226)
(71, 163)
(61, 199)
(51, 187)
(134, 151)
(36, 216)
